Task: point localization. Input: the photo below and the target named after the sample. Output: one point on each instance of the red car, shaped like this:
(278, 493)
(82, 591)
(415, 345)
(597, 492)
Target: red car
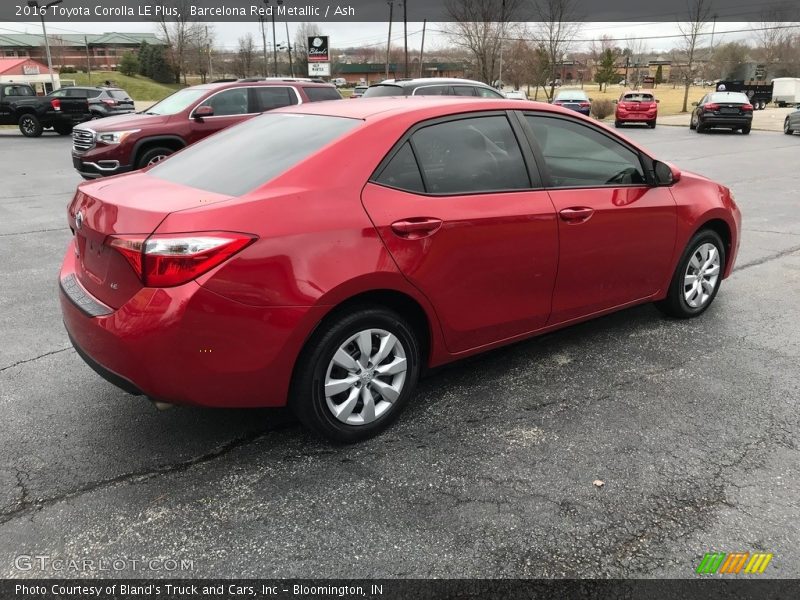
(120, 144)
(325, 255)
(640, 106)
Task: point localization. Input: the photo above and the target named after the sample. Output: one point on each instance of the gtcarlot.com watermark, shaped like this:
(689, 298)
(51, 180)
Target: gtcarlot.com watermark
(49, 564)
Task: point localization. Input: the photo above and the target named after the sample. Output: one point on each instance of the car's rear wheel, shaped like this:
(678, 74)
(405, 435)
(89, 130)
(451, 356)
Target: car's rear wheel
(617, 124)
(787, 128)
(746, 130)
(697, 277)
(651, 124)
(30, 126)
(153, 156)
(692, 123)
(356, 374)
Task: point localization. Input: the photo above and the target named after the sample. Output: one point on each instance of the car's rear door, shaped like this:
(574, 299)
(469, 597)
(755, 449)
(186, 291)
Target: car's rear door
(616, 232)
(231, 106)
(460, 207)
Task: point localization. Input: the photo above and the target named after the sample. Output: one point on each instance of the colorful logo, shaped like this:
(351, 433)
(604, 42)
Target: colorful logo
(733, 563)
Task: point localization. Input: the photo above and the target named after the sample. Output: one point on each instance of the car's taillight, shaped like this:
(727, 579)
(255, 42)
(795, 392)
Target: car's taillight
(109, 101)
(167, 260)
(584, 105)
(56, 104)
(747, 107)
(711, 107)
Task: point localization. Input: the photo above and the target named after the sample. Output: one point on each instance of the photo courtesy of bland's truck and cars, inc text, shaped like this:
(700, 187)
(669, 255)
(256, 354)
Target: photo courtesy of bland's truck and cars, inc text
(465, 298)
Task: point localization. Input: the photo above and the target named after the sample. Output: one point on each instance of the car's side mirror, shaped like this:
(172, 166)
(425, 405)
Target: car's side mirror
(695, 104)
(665, 173)
(616, 101)
(202, 112)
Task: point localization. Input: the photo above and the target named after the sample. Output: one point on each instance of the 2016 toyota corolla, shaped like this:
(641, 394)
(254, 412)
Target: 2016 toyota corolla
(326, 255)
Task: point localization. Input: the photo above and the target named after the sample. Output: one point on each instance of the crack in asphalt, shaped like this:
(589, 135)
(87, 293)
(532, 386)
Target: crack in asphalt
(34, 231)
(25, 505)
(766, 259)
(29, 360)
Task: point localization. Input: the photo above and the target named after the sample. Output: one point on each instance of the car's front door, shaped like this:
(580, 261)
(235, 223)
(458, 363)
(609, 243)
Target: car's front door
(230, 107)
(617, 232)
(457, 210)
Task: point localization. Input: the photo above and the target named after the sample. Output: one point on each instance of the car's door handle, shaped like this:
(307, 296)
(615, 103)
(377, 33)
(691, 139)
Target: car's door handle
(416, 227)
(578, 214)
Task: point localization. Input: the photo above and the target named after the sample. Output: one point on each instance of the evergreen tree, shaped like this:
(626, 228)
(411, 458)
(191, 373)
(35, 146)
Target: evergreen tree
(659, 74)
(607, 72)
(129, 64)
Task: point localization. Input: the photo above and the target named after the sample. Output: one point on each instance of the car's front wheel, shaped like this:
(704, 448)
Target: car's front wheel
(30, 126)
(355, 374)
(153, 156)
(787, 128)
(697, 277)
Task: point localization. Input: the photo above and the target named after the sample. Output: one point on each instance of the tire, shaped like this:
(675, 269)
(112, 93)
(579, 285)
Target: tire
(30, 126)
(63, 129)
(152, 156)
(692, 124)
(700, 127)
(617, 124)
(746, 130)
(787, 129)
(342, 336)
(676, 304)
(651, 124)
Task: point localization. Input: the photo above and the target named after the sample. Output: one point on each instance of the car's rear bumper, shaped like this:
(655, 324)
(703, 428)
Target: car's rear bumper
(188, 345)
(636, 116)
(722, 121)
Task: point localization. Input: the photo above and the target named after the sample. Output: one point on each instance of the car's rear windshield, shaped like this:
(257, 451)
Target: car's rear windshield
(566, 96)
(318, 94)
(241, 158)
(375, 91)
(735, 97)
(119, 94)
(638, 98)
(177, 102)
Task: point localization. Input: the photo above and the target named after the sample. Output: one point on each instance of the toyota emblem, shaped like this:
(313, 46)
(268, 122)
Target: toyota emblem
(78, 220)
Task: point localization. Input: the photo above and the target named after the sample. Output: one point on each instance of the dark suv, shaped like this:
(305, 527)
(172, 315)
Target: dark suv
(129, 142)
(103, 101)
(432, 86)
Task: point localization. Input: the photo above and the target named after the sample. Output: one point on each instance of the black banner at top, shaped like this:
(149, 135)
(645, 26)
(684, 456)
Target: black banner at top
(321, 11)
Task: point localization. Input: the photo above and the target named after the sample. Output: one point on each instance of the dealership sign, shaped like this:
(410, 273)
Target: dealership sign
(30, 70)
(318, 49)
(319, 69)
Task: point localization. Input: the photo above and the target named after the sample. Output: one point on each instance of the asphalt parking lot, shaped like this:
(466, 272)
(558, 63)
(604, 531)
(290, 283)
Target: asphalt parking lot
(693, 427)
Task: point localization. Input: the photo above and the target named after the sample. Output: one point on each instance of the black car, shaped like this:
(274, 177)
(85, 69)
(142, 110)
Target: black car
(432, 86)
(103, 101)
(792, 123)
(730, 110)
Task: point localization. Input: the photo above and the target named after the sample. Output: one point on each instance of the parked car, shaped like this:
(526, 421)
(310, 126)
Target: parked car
(125, 143)
(359, 90)
(20, 106)
(638, 106)
(339, 82)
(758, 93)
(103, 101)
(576, 100)
(432, 86)
(729, 110)
(792, 123)
(516, 95)
(311, 257)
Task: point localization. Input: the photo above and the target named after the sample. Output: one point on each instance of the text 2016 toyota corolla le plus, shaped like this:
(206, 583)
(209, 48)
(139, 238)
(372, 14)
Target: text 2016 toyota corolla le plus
(325, 255)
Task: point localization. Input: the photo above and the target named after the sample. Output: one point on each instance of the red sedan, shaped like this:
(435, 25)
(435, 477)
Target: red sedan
(325, 255)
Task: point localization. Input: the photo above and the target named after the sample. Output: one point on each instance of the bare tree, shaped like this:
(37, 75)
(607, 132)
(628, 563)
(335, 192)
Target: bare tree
(687, 50)
(478, 26)
(771, 35)
(179, 35)
(199, 59)
(558, 26)
(636, 53)
(245, 56)
(302, 33)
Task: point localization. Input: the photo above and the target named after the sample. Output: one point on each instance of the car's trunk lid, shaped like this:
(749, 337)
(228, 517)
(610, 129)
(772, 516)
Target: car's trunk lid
(129, 205)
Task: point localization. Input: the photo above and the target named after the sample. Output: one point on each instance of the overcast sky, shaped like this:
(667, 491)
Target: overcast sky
(363, 34)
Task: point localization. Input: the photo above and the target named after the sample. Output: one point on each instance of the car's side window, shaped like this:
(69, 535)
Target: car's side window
(478, 154)
(464, 90)
(402, 172)
(488, 93)
(230, 102)
(271, 97)
(577, 155)
(433, 90)
(58, 94)
(703, 99)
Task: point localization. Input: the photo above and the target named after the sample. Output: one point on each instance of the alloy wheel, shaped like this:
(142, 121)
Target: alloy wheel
(702, 274)
(28, 125)
(365, 377)
(156, 159)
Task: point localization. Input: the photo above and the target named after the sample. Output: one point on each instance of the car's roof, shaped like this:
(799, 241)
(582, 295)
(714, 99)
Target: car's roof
(266, 83)
(420, 81)
(422, 106)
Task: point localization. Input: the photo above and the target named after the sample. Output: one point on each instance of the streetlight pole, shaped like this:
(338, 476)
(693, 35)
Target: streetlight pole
(274, 40)
(389, 41)
(289, 48)
(42, 10)
(405, 36)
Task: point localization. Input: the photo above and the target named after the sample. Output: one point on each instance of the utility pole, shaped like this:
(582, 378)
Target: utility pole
(389, 41)
(262, 20)
(208, 55)
(422, 46)
(405, 36)
(42, 11)
(289, 48)
(502, 34)
(88, 59)
(274, 39)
